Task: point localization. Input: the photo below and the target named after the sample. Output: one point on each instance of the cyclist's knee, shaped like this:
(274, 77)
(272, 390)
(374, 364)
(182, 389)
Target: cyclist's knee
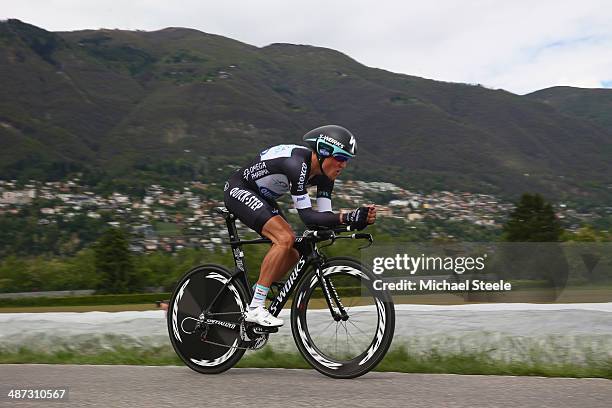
(285, 240)
(279, 232)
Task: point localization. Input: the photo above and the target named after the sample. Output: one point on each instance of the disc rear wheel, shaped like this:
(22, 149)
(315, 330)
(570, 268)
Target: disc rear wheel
(207, 342)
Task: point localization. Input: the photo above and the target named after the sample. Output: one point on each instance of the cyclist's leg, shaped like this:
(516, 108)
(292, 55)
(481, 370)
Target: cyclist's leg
(282, 255)
(250, 208)
(256, 212)
(267, 219)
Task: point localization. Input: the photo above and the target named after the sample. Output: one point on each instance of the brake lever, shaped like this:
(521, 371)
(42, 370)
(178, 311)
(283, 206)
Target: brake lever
(332, 239)
(361, 236)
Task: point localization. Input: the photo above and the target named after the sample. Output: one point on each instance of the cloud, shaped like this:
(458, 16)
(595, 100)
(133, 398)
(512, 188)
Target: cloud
(520, 46)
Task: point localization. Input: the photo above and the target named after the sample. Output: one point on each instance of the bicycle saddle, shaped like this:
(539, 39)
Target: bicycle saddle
(222, 211)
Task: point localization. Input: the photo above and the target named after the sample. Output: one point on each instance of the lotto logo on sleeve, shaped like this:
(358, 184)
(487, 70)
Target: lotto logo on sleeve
(247, 198)
(302, 178)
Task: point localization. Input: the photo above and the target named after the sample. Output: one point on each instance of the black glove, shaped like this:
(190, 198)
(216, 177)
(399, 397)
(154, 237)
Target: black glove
(357, 219)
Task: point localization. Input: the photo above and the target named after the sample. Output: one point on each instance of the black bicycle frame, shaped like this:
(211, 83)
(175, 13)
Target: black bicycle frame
(309, 255)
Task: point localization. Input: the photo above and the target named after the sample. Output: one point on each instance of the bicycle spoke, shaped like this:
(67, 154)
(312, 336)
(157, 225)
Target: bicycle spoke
(337, 324)
(322, 331)
(352, 337)
(358, 312)
(348, 346)
(357, 328)
(363, 316)
(330, 341)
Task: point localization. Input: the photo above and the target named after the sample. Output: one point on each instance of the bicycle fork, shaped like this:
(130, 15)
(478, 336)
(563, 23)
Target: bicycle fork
(331, 295)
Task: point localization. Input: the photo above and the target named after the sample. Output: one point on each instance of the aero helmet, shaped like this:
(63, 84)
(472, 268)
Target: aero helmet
(331, 140)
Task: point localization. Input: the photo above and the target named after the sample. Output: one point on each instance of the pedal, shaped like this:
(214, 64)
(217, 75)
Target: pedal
(253, 330)
(264, 330)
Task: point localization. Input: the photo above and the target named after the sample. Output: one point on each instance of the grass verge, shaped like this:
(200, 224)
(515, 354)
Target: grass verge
(397, 360)
(135, 307)
(85, 300)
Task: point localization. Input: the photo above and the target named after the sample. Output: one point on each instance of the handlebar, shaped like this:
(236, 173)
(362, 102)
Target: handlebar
(338, 229)
(362, 236)
(330, 234)
(317, 236)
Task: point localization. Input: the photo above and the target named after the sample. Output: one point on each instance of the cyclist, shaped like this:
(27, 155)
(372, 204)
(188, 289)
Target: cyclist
(251, 195)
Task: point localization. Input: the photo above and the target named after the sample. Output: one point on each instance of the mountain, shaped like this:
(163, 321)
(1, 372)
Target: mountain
(594, 105)
(121, 106)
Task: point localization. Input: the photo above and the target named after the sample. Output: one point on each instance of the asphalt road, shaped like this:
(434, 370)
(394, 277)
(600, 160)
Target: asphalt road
(141, 386)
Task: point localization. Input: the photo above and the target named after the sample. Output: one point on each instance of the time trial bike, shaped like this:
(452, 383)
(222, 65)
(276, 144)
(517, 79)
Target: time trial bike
(341, 325)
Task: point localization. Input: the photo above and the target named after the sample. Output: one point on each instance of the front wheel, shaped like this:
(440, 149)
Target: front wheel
(348, 347)
(206, 335)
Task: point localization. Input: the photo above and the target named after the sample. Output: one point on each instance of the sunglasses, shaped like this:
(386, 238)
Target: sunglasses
(341, 157)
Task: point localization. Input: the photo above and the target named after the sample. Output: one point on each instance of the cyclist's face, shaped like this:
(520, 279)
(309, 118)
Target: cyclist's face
(333, 167)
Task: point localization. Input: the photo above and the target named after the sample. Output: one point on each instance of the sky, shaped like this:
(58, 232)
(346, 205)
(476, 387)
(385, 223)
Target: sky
(520, 46)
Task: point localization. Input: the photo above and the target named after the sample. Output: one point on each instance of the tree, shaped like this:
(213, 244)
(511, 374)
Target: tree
(533, 220)
(587, 234)
(114, 264)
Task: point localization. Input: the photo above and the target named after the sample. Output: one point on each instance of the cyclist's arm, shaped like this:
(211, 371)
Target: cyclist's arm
(322, 219)
(324, 192)
(297, 173)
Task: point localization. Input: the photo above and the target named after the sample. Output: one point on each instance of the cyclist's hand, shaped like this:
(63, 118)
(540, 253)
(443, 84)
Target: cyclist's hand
(357, 219)
(371, 214)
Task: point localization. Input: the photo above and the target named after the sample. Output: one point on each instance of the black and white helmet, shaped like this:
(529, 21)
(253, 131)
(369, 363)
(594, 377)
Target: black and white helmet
(331, 141)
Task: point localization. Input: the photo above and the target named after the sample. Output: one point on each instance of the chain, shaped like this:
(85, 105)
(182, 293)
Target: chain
(258, 343)
(226, 346)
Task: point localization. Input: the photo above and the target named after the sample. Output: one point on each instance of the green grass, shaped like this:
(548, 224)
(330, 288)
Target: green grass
(126, 299)
(479, 363)
(79, 309)
(131, 356)
(397, 360)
